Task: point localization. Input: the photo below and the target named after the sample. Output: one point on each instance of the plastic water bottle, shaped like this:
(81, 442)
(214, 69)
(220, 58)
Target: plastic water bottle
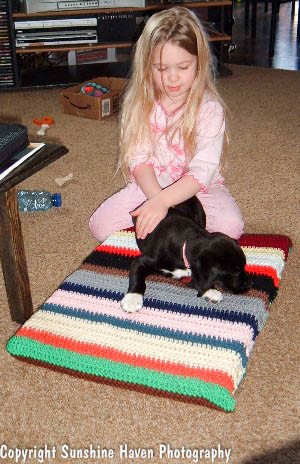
(38, 200)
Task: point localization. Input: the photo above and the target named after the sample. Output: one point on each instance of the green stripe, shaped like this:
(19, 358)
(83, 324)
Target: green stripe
(28, 348)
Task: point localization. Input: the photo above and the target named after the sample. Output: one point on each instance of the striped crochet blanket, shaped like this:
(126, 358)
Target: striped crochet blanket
(178, 345)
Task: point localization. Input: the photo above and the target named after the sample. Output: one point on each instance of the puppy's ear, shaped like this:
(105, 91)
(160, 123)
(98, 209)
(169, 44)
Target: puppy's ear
(203, 271)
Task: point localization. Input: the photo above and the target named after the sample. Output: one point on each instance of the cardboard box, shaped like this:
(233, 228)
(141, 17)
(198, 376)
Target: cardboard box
(78, 104)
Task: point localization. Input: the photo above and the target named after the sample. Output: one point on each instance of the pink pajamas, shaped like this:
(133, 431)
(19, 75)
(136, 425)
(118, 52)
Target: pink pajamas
(169, 162)
(222, 213)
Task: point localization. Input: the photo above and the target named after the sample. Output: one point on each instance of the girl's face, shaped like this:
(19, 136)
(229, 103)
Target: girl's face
(174, 71)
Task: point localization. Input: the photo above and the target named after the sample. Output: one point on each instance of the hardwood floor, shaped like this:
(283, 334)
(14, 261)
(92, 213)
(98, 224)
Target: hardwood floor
(254, 52)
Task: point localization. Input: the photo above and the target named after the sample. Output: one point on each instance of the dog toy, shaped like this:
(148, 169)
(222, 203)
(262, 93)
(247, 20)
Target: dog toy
(62, 180)
(93, 90)
(45, 123)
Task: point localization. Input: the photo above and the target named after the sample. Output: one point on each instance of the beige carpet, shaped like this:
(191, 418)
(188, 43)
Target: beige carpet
(41, 407)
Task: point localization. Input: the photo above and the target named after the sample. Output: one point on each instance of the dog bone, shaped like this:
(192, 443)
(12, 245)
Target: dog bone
(42, 130)
(62, 180)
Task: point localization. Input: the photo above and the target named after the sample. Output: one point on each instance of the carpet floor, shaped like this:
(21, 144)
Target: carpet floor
(70, 414)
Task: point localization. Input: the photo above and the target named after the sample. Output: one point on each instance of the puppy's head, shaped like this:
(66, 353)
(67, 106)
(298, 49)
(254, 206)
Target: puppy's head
(220, 262)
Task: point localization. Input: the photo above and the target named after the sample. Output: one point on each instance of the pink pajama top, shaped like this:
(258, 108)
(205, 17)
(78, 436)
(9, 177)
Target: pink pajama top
(169, 159)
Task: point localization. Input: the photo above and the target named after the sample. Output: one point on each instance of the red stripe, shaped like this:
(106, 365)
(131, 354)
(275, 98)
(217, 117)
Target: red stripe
(281, 242)
(117, 250)
(263, 270)
(208, 375)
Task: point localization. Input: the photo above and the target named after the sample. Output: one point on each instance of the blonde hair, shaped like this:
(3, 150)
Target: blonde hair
(181, 27)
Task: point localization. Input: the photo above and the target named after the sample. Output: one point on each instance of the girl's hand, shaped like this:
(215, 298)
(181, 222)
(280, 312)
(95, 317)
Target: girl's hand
(149, 215)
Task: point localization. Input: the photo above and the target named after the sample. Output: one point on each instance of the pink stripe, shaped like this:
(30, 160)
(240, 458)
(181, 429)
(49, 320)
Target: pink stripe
(194, 324)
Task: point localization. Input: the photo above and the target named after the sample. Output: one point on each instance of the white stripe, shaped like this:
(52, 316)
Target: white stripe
(122, 240)
(137, 343)
(264, 250)
(234, 331)
(263, 259)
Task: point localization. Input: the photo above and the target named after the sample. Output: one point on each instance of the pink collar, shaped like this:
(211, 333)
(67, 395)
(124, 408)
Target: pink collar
(185, 260)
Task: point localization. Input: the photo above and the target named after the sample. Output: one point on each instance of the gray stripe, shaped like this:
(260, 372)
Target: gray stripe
(168, 292)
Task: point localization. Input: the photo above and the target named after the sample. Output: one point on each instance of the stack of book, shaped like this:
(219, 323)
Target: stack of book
(11, 163)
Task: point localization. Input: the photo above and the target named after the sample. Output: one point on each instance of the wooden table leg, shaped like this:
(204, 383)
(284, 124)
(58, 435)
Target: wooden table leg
(13, 258)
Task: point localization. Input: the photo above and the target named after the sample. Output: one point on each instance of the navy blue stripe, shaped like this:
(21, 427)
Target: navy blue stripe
(232, 316)
(149, 329)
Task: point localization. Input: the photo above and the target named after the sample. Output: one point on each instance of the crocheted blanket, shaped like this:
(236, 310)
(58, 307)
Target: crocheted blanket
(178, 345)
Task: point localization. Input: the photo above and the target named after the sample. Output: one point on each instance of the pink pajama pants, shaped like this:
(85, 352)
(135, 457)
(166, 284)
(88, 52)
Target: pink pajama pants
(222, 212)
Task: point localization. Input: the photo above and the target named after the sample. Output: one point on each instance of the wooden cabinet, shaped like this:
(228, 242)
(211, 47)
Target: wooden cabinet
(49, 65)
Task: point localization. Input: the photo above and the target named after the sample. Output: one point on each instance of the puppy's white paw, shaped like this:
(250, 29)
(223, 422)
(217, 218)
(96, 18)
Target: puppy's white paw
(178, 273)
(213, 295)
(132, 302)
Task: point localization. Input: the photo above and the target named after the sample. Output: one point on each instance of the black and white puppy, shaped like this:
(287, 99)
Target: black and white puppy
(180, 246)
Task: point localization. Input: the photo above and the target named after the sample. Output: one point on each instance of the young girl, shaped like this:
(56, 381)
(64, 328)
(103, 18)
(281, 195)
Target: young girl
(172, 132)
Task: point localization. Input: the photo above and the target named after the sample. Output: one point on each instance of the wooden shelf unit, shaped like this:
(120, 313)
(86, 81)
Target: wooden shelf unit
(158, 6)
(217, 37)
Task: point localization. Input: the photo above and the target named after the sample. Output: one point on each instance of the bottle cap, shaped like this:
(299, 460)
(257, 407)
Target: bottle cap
(56, 200)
